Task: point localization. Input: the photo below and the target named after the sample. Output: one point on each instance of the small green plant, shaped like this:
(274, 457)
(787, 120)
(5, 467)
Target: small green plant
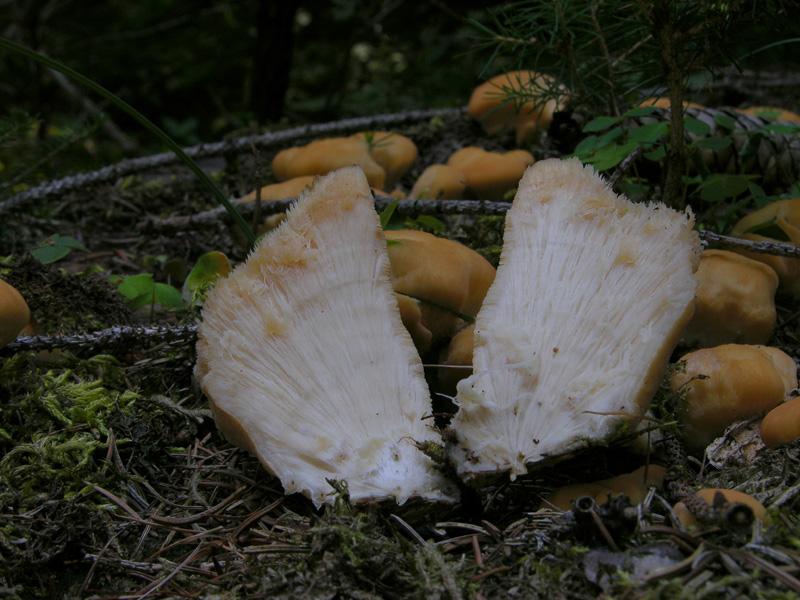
(55, 248)
(141, 290)
(204, 275)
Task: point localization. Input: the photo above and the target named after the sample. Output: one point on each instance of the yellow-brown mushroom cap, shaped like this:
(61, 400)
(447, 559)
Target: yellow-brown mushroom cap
(688, 519)
(323, 156)
(14, 313)
(489, 175)
(440, 182)
(776, 222)
(291, 188)
(634, 485)
(735, 300)
(772, 113)
(392, 151)
(438, 271)
(491, 106)
(728, 383)
(782, 424)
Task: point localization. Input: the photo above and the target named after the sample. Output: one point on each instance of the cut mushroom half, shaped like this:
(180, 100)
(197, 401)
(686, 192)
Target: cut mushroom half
(591, 296)
(306, 362)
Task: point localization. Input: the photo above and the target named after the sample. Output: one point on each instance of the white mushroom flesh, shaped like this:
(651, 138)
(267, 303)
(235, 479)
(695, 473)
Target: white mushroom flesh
(591, 296)
(305, 359)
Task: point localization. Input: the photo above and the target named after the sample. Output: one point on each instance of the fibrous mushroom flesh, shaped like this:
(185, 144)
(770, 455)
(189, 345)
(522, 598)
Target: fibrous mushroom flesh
(305, 359)
(591, 296)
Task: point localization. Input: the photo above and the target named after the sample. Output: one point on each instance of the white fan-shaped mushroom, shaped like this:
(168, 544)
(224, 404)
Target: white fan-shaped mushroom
(305, 359)
(574, 335)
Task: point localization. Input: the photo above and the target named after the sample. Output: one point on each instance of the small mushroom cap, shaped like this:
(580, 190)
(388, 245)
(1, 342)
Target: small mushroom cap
(566, 351)
(781, 425)
(776, 222)
(323, 156)
(392, 151)
(491, 105)
(708, 495)
(726, 384)
(306, 362)
(634, 485)
(290, 188)
(438, 271)
(735, 301)
(447, 277)
(440, 182)
(14, 313)
(489, 175)
(772, 113)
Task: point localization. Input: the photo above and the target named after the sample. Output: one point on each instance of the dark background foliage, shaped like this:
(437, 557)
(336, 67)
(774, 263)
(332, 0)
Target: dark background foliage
(205, 68)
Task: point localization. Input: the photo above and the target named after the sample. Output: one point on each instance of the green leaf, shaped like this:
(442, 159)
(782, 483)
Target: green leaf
(610, 156)
(610, 137)
(650, 133)
(386, 213)
(696, 126)
(206, 271)
(167, 296)
(134, 286)
(141, 300)
(50, 254)
(600, 123)
(725, 121)
(431, 223)
(713, 143)
(55, 248)
(656, 154)
(586, 145)
(721, 187)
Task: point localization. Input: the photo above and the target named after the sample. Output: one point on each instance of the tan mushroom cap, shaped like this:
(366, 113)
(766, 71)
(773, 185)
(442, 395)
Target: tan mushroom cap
(441, 273)
(291, 188)
(772, 113)
(688, 519)
(392, 151)
(634, 485)
(489, 175)
(490, 105)
(784, 215)
(14, 313)
(729, 383)
(323, 156)
(438, 270)
(440, 182)
(735, 301)
(782, 424)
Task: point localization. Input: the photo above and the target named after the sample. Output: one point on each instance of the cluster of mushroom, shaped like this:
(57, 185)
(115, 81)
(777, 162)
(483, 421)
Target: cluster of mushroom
(385, 157)
(308, 330)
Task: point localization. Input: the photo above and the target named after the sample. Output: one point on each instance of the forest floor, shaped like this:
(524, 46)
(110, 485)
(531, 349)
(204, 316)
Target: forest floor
(115, 483)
